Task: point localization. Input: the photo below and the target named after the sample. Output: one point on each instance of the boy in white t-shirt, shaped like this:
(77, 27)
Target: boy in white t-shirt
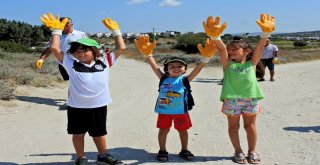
(89, 87)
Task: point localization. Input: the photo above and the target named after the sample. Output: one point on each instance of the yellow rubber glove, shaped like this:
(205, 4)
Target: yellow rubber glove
(267, 25)
(144, 46)
(208, 51)
(54, 23)
(39, 64)
(112, 26)
(275, 60)
(212, 27)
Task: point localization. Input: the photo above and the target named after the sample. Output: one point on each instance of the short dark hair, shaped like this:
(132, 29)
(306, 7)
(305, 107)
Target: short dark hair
(237, 38)
(62, 18)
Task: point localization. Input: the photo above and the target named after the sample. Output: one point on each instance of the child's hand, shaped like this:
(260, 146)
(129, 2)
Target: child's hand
(53, 23)
(143, 45)
(112, 26)
(212, 27)
(39, 64)
(267, 25)
(209, 49)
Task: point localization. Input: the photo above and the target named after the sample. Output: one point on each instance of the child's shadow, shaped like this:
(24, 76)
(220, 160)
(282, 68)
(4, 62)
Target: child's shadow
(131, 156)
(48, 101)
(315, 129)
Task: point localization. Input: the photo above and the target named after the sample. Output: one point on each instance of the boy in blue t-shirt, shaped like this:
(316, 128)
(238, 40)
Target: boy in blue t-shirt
(172, 101)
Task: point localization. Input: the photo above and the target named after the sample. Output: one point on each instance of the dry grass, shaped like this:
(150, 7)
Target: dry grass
(18, 69)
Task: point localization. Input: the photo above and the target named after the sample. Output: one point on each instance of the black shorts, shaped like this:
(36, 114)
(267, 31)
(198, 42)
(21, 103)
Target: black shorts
(63, 73)
(268, 63)
(91, 120)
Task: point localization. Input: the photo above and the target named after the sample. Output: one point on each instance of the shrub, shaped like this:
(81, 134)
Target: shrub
(188, 42)
(6, 90)
(13, 47)
(300, 43)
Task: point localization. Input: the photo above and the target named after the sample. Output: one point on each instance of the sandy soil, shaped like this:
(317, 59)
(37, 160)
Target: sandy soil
(33, 126)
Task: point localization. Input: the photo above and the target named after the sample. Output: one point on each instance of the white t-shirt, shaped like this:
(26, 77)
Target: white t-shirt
(65, 39)
(268, 51)
(88, 84)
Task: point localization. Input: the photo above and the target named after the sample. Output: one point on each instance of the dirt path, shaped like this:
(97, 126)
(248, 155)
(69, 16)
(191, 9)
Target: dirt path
(33, 127)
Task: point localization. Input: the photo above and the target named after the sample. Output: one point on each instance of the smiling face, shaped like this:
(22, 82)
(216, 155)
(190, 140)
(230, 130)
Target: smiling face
(237, 51)
(84, 54)
(175, 69)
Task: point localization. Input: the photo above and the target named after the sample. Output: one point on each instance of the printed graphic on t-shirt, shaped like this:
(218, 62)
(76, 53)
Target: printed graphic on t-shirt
(99, 66)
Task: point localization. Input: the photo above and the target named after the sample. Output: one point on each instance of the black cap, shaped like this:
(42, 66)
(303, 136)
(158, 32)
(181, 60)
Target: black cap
(175, 59)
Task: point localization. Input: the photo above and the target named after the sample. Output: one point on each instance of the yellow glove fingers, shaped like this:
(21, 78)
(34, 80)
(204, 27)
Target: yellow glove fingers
(223, 26)
(51, 17)
(110, 24)
(260, 24)
(200, 48)
(45, 17)
(217, 20)
(64, 21)
(153, 45)
(210, 22)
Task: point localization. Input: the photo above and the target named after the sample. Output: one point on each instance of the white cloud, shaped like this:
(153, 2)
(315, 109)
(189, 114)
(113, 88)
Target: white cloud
(170, 3)
(136, 1)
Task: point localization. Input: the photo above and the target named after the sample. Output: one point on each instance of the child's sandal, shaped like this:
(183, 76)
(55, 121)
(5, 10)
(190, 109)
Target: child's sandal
(186, 154)
(253, 158)
(162, 156)
(239, 158)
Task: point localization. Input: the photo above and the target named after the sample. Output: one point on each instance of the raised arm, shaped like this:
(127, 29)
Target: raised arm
(214, 30)
(114, 28)
(146, 48)
(56, 27)
(267, 25)
(45, 53)
(206, 53)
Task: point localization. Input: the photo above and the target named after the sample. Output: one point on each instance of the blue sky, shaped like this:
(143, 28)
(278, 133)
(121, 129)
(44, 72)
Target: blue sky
(178, 15)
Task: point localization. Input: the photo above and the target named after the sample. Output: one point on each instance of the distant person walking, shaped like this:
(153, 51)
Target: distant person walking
(68, 35)
(269, 58)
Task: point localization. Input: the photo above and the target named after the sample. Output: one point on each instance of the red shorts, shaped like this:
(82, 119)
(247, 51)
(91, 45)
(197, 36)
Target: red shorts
(181, 121)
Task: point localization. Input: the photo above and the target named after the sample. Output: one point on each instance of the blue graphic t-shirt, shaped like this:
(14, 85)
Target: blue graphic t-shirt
(172, 98)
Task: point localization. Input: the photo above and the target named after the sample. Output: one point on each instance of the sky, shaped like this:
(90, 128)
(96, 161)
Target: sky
(175, 15)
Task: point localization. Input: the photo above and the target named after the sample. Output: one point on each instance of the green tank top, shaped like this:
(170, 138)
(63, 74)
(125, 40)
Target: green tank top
(240, 81)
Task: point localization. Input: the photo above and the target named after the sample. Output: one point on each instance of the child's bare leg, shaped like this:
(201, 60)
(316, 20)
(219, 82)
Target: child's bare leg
(162, 138)
(78, 144)
(233, 130)
(250, 127)
(184, 139)
(101, 144)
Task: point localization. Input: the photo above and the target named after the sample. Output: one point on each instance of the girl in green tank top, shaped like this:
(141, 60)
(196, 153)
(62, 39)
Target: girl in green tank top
(240, 91)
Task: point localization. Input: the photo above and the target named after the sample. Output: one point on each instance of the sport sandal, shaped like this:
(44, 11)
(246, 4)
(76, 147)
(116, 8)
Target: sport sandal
(162, 156)
(239, 158)
(186, 154)
(253, 158)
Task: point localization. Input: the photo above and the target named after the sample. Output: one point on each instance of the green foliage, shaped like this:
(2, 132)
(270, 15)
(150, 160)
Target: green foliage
(300, 43)
(13, 47)
(23, 33)
(188, 42)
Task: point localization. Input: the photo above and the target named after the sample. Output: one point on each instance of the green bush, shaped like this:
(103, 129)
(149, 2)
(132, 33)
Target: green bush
(13, 47)
(188, 42)
(300, 43)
